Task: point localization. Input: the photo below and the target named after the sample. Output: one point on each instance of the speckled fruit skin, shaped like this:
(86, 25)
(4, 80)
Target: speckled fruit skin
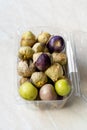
(47, 92)
(62, 87)
(28, 91)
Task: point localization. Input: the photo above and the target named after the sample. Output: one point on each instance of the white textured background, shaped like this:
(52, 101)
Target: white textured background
(14, 14)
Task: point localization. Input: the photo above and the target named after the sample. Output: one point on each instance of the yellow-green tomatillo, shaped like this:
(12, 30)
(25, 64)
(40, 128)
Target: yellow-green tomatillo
(62, 87)
(28, 91)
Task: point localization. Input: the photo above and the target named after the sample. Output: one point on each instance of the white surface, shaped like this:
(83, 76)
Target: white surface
(70, 15)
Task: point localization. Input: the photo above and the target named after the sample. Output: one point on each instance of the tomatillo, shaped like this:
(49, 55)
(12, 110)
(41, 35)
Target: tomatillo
(62, 87)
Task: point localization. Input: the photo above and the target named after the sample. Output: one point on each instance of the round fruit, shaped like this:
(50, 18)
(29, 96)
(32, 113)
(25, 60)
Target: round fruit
(62, 87)
(59, 58)
(43, 37)
(25, 68)
(43, 62)
(28, 91)
(54, 72)
(28, 39)
(25, 53)
(38, 47)
(39, 79)
(56, 43)
(47, 92)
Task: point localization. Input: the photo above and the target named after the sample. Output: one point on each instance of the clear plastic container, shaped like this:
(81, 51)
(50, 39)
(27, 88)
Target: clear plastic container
(73, 73)
(80, 41)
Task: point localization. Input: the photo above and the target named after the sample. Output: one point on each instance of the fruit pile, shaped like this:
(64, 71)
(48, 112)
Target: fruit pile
(42, 67)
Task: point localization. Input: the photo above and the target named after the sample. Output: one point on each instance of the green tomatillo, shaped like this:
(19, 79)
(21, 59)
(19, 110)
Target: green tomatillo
(62, 87)
(28, 91)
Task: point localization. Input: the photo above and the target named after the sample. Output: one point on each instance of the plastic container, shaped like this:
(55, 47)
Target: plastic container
(73, 73)
(81, 50)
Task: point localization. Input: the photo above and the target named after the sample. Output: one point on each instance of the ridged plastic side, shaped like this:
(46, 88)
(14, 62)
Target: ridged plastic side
(80, 39)
(73, 72)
